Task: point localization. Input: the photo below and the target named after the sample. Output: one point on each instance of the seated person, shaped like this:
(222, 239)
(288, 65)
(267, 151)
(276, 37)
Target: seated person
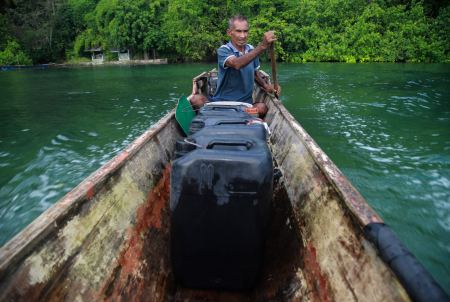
(238, 68)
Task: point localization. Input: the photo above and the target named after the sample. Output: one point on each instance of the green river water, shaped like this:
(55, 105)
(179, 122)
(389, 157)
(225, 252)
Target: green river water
(386, 126)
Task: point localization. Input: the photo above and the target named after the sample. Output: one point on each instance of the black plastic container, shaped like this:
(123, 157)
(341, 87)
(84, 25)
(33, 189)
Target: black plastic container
(201, 121)
(220, 199)
(218, 109)
(205, 134)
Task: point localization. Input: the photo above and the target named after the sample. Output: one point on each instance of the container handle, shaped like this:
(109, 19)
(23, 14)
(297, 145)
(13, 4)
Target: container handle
(232, 122)
(223, 107)
(231, 142)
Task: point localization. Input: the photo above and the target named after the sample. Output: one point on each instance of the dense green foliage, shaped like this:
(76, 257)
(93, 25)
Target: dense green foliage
(42, 28)
(192, 30)
(10, 50)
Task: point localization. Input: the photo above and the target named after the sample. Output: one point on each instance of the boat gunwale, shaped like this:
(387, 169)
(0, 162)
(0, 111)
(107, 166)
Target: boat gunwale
(25, 241)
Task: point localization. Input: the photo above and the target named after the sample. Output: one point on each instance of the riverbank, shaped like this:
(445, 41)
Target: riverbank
(86, 64)
(111, 63)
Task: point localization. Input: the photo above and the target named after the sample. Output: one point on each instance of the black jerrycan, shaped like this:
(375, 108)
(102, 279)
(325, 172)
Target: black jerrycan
(220, 195)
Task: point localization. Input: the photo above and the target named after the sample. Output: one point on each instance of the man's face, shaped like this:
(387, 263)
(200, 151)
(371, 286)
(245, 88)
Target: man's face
(239, 34)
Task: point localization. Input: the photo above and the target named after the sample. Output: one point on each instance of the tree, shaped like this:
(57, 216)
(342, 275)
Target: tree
(10, 51)
(13, 55)
(124, 24)
(43, 27)
(192, 30)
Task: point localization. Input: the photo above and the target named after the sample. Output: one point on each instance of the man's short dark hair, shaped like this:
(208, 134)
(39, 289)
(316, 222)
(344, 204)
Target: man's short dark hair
(235, 17)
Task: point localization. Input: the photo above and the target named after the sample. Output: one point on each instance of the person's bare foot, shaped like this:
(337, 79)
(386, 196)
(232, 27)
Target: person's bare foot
(198, 101)
(262, 109)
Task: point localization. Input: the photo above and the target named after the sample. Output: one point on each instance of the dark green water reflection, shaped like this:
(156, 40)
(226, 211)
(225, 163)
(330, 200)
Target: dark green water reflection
(386, 126)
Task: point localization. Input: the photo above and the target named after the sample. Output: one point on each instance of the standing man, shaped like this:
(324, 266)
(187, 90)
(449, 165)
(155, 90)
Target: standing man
(238, 67)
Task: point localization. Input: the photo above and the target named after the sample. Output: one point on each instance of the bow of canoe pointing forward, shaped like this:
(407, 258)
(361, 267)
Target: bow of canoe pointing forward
(108, 239)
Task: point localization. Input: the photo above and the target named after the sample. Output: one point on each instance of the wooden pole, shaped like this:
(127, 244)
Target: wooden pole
(274, 67)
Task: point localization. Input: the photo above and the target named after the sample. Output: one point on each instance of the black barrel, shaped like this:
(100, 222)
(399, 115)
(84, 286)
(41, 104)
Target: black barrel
(220, 199)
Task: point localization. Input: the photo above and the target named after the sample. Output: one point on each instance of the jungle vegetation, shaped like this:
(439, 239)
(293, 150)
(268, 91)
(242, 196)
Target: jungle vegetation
(42, 31)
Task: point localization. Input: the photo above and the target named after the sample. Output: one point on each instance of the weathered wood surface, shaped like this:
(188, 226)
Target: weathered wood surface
(108, 239)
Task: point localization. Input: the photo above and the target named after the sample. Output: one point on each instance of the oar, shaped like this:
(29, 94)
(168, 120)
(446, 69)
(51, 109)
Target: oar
(274, 67)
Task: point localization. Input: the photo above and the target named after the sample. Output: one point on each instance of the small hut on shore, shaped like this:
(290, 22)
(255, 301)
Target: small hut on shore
(124, 54)
(97, 54)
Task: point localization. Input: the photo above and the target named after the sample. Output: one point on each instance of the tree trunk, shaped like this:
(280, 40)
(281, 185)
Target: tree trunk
(145, 55)
(52, 21)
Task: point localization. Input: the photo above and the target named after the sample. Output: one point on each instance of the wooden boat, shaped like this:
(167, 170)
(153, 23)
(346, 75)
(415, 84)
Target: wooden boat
(108, 239)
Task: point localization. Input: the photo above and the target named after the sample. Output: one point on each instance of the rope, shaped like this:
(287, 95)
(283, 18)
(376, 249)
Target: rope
(191, 143)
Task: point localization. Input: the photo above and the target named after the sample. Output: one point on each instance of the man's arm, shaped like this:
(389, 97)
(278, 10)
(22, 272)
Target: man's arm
(242, 61)
(260, 80)
(267, 87)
